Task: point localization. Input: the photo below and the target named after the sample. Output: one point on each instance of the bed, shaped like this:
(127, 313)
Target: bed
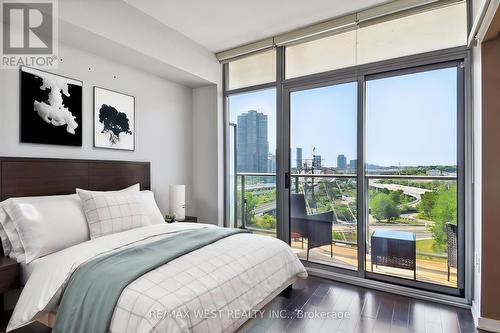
(196, 277)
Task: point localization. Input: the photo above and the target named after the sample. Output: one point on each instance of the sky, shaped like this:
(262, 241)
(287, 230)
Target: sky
(410, 120)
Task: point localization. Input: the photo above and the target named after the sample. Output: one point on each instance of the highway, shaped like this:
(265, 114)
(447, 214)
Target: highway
(415, 192)
(264, 208)
(421, 231)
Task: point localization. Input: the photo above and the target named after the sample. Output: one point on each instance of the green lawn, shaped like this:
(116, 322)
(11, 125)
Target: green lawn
(426, 246)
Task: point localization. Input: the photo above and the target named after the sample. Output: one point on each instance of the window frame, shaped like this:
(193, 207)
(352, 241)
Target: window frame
(461, 295)
(459, 179)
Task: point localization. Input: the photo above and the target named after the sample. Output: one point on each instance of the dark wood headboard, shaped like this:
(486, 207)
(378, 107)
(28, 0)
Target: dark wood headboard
(21, 177)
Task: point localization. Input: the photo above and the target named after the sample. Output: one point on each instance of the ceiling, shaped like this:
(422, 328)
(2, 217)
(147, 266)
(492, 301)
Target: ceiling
(222, 24)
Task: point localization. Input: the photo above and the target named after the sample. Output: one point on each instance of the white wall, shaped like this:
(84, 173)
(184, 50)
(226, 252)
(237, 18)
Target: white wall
(119, 23)
(205, 157)
(120, 32)
(163, 120)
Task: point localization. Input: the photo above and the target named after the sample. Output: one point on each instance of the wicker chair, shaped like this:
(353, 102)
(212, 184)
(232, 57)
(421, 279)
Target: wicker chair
(316, 228)
(451, 232)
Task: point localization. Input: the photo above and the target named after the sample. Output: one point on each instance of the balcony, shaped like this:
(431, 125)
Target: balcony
(415, 205)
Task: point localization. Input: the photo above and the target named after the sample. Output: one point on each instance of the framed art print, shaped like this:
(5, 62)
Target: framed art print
(114, 120)
(51, 108)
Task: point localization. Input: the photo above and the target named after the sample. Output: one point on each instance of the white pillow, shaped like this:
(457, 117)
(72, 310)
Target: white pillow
(6, 245)
(111, 212)
(48, 224)
(11, 242)
(152, 210)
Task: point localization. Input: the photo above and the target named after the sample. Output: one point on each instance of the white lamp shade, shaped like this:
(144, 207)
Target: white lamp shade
(178, 201)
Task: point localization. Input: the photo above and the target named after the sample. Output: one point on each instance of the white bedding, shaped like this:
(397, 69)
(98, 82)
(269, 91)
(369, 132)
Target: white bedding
(217, 284)
(26, 270)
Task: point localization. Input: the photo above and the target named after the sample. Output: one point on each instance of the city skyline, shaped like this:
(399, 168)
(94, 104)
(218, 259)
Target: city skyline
(402, 129)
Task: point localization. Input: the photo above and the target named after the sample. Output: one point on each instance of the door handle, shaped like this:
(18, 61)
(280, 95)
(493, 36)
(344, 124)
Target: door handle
(287, 180)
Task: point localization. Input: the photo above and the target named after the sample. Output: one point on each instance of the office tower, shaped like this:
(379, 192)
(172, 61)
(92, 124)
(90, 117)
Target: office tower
(253, 147)
(271, 163)
(299, 159)
(341, 162)
(316, 162)
(353, 165)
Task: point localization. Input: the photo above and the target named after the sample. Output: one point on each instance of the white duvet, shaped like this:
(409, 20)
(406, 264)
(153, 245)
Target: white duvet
(213, 289)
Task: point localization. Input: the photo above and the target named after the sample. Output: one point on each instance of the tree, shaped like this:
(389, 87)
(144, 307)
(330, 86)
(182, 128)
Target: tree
(383, 207)
(115, 122)
(439, 206)
(444, 211)
(267, 222)
(344, 213)
(426, 204)
(250, 204)
(396, 196)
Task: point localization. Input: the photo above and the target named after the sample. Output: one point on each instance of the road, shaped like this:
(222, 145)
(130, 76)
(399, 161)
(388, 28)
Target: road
(264, 208)
(421, 231)
(415, 192)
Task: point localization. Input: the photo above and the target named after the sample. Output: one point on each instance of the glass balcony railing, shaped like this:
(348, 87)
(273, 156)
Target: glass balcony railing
(422, 209)
(256, 202)
(325, 230)
(256, 210)
(418, 206)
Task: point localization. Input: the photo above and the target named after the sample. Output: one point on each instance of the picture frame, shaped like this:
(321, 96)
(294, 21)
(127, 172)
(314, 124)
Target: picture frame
(114, 119)
(50, 108)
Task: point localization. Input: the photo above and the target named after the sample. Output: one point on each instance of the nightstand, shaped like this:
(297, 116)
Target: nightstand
(9, 280)
(193, 219)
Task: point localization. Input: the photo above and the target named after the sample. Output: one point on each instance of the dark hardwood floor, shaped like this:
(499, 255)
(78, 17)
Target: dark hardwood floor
(366, 311)
(369, 311)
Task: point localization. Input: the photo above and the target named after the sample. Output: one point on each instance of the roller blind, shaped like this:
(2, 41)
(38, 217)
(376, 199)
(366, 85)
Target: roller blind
(421, 32)
(325, 54)
(417, 31)
(252, 70)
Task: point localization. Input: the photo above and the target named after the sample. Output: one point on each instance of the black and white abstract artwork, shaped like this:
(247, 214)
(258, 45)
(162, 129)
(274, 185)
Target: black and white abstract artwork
(51, 108)
(114, 120)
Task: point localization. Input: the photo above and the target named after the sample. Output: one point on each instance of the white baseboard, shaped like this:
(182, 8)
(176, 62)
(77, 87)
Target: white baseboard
(487, 324)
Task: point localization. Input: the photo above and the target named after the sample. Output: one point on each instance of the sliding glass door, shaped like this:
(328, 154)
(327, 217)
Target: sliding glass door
(323, 139)
(412, 152)
(374, 170)
(361, 171)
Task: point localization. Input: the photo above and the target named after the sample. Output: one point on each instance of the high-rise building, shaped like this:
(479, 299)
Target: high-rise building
(299, 159)
(253, 147)
(341, 162)
(353, 165)
(316, 163)
(271, 163)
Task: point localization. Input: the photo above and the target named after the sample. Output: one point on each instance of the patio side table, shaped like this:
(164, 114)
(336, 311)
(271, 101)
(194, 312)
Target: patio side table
(394, 249)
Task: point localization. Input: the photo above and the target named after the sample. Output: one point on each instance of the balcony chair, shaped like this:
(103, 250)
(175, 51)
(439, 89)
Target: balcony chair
(451, 232)
(316, 228)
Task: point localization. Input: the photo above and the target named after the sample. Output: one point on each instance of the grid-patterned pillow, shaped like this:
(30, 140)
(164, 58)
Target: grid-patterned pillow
(111, 212)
